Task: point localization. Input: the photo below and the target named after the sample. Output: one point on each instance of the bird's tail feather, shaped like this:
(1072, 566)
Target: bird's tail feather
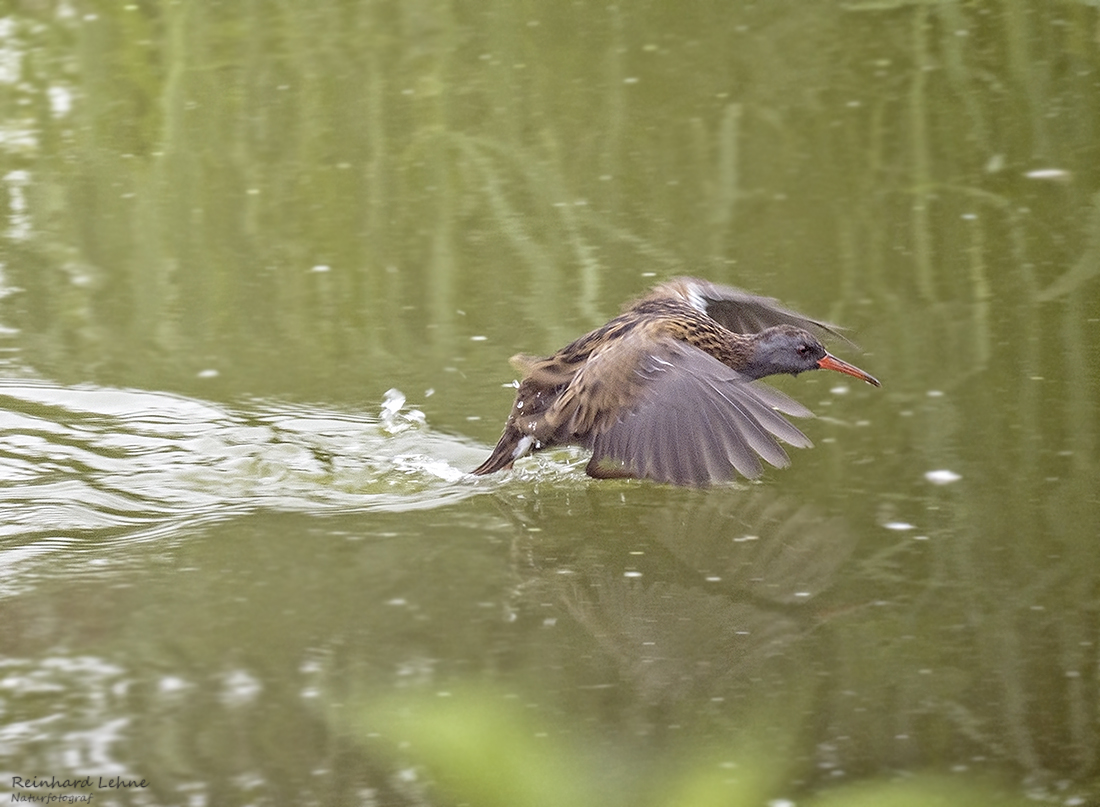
(503, 455)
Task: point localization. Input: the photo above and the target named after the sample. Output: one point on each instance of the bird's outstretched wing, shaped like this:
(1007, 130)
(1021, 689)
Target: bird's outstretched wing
(737, 310)
(669, 412)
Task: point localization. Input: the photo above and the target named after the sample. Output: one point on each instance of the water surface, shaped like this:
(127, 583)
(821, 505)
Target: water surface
(261, 272)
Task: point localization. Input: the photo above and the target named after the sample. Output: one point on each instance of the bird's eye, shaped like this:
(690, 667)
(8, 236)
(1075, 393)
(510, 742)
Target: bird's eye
(803, 350)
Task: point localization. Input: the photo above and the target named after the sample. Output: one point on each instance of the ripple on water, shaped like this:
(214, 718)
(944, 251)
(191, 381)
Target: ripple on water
(84, 466)
(64, 713)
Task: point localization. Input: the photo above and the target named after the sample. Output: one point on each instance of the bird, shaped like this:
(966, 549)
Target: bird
(668, 390)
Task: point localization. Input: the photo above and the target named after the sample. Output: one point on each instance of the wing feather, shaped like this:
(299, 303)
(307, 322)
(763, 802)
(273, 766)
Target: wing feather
(738, 310)
(672, 413)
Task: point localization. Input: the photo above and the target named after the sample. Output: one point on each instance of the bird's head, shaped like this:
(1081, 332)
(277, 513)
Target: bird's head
(787, 349)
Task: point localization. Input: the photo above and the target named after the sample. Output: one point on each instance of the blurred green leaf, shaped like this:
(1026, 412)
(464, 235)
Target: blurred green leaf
(922, 791)
(481, 749)
(722, 786)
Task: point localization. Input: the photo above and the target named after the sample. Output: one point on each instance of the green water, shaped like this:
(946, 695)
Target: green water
(262, 268)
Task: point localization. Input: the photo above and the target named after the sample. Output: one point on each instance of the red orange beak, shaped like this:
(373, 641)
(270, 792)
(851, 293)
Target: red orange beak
(833, 363)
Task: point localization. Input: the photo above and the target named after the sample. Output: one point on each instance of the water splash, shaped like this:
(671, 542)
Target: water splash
(84, 467)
